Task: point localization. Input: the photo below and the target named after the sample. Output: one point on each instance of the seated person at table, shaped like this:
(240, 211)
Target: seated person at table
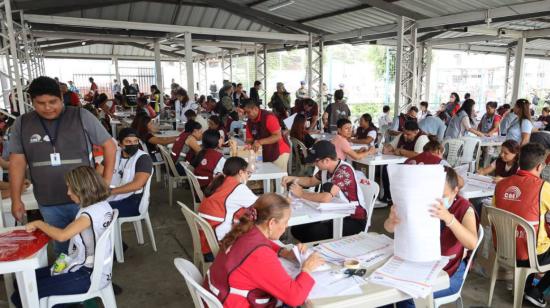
(263, 130)
(215, 123)
(133, 168)
(209, 160)
(366, 132)
(247, 270)
(145, 130)
(507, 162)
(86, 188)
(545, 116)
(433, 125)
(225, 199)
(432, 154)
(458, 232)
(337, 179)
(144, 107)
(310, 110)
(399, 121)
(527, 195)
(343, 146)
(490, 122)
(188, 143)
(461, 123)
(298, 131)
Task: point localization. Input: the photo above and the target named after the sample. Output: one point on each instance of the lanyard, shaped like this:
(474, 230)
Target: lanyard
(53, 138)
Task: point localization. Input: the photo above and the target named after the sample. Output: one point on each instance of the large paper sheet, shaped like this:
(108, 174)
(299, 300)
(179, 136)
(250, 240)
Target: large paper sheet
(289, 121)
(415, 189)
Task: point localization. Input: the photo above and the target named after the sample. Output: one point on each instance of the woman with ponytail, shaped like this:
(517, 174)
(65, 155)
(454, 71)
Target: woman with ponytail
(227, 197)
(247, 271)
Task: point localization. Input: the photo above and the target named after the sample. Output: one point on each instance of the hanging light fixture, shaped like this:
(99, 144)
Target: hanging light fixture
(279, 5)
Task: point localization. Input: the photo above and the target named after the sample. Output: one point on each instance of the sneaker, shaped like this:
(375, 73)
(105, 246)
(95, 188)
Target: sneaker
(535, 297)
(117, 289)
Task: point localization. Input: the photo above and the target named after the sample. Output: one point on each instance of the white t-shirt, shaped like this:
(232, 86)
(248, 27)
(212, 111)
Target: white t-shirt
(418, 146)
(516, 129)
(180, 111)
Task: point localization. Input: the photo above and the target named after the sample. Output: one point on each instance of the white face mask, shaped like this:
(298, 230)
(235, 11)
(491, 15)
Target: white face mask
(446, 202)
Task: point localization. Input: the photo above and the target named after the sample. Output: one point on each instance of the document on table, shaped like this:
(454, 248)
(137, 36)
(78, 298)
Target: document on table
(414, 278)
(415, 189)
(335, 283)
(364, 247)
(335, 205)
(485, 182)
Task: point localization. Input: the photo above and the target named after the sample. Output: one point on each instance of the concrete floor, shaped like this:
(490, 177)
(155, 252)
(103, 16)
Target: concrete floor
(149, 278)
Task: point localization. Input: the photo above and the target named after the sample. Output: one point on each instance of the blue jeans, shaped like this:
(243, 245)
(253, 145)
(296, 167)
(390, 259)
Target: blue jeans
(127, 207)
(63, 284)
(59, 216)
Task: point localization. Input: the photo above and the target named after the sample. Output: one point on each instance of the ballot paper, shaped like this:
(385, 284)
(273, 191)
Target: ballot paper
(302, 257)
(414, 190)
(289, 121)
(367, 248)
(414, 278)
(335, 205)
(335, 283)
(462, 170)
(485, 182)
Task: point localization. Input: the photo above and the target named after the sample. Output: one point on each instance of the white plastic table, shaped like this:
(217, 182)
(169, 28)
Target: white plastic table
(323, 136)
(25, 273)
(167, 133)
(495, 141)
(304, 214)
(266, 172)
(470, 191)
(380, 160)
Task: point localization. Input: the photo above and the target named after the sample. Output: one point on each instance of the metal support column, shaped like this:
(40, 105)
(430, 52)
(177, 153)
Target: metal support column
(189, 64)
(227, 65)
(309, 73)
(158, 73)
(424, 71)
(405, 65)
(117, 71)
(12, 59)
(260, 73)
(518, 68)
(508, 77)
(202, 76)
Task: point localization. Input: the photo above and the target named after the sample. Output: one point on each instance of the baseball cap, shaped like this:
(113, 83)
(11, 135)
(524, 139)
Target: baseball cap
(126, 132)
(321, 150)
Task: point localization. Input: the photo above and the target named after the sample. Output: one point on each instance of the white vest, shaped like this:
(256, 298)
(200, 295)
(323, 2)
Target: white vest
(124, 172)
(341, 194)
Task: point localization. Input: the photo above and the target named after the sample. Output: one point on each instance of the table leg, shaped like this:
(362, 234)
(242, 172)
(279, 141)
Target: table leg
(267, 186)
(113, 129)
(278, 187)
(427, 302)
(372, 172)
(26, 283)
(8, 284)
(337, 228)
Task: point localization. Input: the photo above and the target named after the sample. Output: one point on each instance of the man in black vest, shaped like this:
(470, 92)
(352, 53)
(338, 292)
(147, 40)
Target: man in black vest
(52, 140)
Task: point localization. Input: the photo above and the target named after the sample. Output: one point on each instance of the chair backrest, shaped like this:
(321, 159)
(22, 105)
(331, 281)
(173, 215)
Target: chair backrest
(299, 151)
(195, 186)
(103, 255)
(145, 198)
(194, 280)
(197, 223)
(505, 225)
(370, 194)
(453, 149)
(168, 160)
(480, 235)
(472, 150)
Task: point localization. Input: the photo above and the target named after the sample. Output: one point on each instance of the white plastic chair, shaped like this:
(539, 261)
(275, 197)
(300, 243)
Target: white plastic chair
(195, 186)
(457, 297)
(194, 281)
(106, 241)
(172, 173)
(370, 194)
(505, 225)
(144, 215)
(156, 164)
(471, 153)
(453, 149)
(196, 224)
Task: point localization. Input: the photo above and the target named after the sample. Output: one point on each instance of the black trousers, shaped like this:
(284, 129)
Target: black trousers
(386, 182)
(319, 231)
(544, 283)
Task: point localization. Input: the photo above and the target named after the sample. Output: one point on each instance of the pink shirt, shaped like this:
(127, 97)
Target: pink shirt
(342, 146)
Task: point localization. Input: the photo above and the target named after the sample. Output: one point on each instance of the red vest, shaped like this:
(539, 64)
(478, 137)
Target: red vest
(404, 118)
(408, 145)
(258, 130)
(424, 158)
(205, 167)
(450, 245)
(227, 262)
(363, 133)
(178, 146)
(500, 169)
(520, 194)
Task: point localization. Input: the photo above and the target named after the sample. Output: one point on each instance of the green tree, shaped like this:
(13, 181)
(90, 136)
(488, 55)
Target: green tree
(377, 55)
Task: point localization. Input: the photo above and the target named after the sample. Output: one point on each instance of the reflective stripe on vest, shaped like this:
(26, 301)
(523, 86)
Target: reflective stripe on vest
(235, 291)
(63, 162)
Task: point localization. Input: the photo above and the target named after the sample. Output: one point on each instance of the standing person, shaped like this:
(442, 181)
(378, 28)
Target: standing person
(254, 95)
(462, 122)
(521, 127)
(424, 112)
(183, 103)
(280, 102)
(366, 133)
(73, 88)
(69, 97)
(225, 106)
(129, 93)
(93, 86)
(239, 95)
(53, 140)
(301, 93)
(453, 105)
(385, 119)
(214, 89)
(116, 87)
(490, 122)
(135, 85)
(433, 125)
(263, 130)
(402, 118)
(155, 98)
(310, 110)
(336, 111)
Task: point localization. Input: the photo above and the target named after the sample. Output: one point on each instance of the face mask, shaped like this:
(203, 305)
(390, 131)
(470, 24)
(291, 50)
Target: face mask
(131, 149)
(446, 202)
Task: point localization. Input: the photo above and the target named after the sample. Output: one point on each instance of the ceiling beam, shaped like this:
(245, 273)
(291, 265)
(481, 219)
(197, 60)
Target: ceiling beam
(83, 36)
(162, 51)
(102, 56)
(338, 12)
(429, 35)
(461, 40)
(70, 45)
(53, 42)
(394, 9)
(257, 2)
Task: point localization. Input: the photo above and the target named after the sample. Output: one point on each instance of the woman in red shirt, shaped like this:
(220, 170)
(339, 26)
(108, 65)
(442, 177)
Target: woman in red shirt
(247, 271)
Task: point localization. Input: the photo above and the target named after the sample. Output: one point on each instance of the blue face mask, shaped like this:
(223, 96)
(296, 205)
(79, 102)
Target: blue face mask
(446, 202)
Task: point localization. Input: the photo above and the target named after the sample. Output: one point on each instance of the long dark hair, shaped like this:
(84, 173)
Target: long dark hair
(231, 167)
(210, 140)
(457, 98)
(140, 124)
(512, 146)
(367, 117)
(468, 107)
(155, 89)
(191, 125)
(525, 113)
(216, 120)
(298, 129)
(268, 206)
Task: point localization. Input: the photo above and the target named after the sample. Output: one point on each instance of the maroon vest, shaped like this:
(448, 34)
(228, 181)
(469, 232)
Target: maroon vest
(205, 167)
(424, 158)
(408, 145)
(178, 146)
(450, 245)
(500, 169)
(227, 262)
(363, 133)
(258, 130)
(404, 118)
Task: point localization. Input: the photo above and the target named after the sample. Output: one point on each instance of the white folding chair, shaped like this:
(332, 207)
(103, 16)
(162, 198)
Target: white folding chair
(144, 215)
(453, 149)
(457, 296)
(172, 173)
(156, 164)
(505, 225)
(103, 257)
(195, 186)
(471, 153)
(194, 281)
(370, 194)
(197, 224)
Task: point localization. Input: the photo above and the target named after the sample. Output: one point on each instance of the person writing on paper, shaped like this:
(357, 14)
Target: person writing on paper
(188, 143)
(462, 122)
(432, 155)
(87, 189)
(409, 143)
(209, 160)
(366, 132)
(338, 180)
(343, 146)
(458, 232)
(225, 199)
(506, 164)
(490, 122)
(399, 121)
(247, 271)
(528, 196)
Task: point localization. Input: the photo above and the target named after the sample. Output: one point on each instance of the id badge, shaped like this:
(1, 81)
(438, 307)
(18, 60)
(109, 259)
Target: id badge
(55, 159)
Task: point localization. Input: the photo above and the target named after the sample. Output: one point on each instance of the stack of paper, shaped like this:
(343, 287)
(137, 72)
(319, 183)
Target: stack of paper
(414, 278)
(335, 283)
(335, 205)
(485, 182)
(367, 248)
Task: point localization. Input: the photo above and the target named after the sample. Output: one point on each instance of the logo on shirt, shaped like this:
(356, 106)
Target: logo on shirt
(204, 162)
(35, 138)
(512, 193)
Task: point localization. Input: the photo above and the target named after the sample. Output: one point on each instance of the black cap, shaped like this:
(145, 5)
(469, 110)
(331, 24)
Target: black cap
(321, 150)
(126, 132)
